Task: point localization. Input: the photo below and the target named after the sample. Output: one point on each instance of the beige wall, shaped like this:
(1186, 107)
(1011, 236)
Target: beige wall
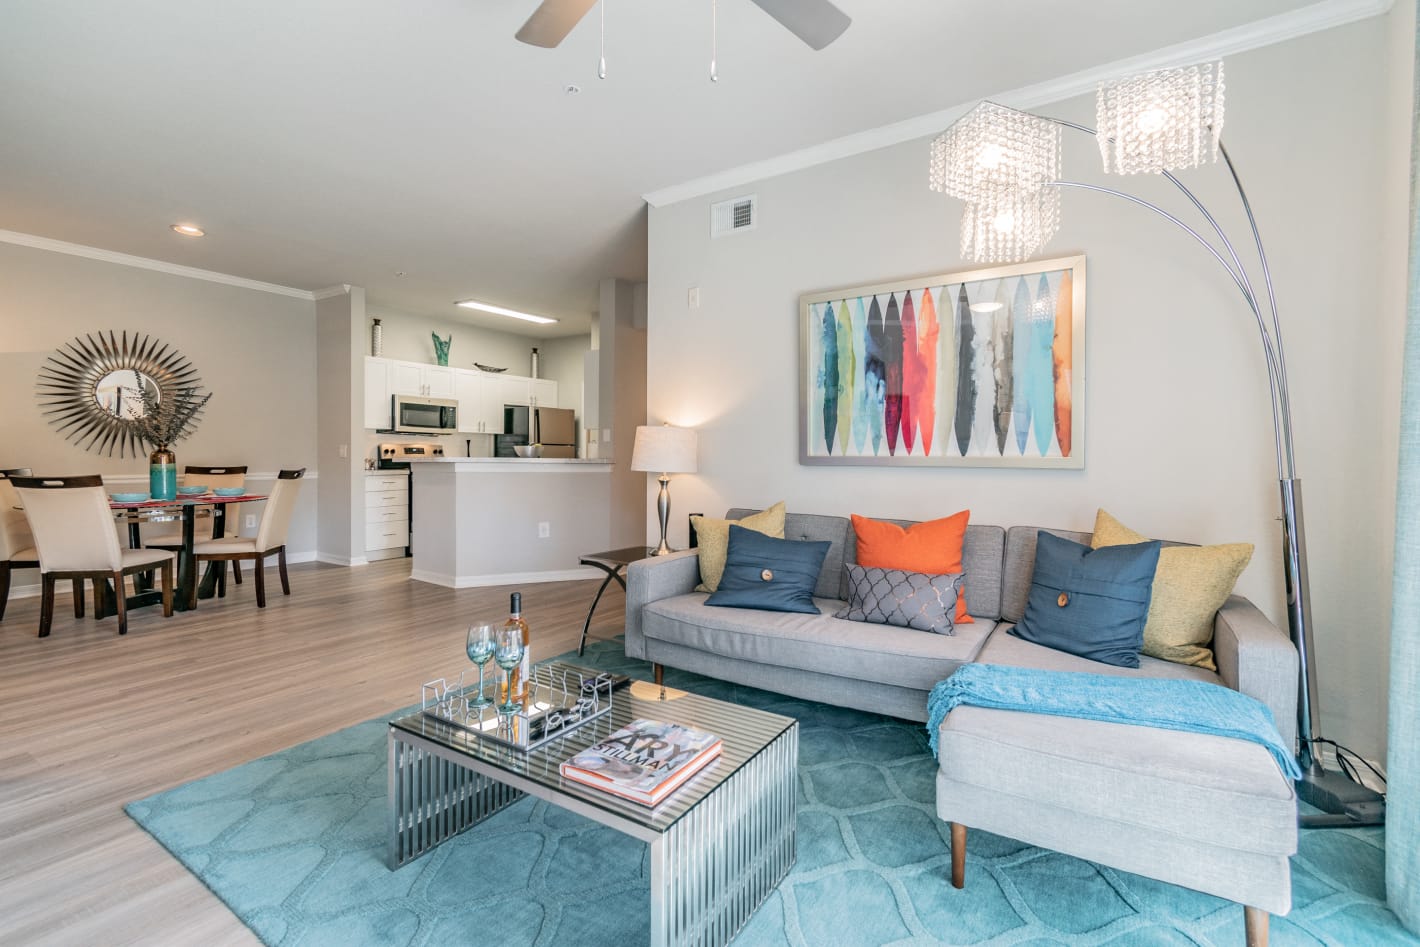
(340, 397)
(622, 386)
(1178, 441)
(254, 350)
(409, 337)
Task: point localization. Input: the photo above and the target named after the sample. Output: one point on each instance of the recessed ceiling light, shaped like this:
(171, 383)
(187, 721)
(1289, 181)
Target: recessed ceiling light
(572, 88)
(188, 230)
(500, 311)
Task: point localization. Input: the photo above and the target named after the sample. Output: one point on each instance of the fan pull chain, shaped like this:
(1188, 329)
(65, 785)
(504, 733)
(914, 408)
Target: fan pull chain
(714, 31)
(601, 64)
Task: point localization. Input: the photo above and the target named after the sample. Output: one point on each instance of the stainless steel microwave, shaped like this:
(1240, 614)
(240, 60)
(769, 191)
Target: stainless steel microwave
(423, 415)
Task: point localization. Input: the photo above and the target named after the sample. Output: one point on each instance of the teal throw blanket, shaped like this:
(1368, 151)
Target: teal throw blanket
(1195, 706)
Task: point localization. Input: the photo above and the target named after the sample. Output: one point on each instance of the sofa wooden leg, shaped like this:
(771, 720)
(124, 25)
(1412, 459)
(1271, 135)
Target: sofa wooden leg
(660, 672)
(959, 855)
(1255, 921)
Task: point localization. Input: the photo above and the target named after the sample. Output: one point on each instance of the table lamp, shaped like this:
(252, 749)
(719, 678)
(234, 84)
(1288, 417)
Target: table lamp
(664, 450)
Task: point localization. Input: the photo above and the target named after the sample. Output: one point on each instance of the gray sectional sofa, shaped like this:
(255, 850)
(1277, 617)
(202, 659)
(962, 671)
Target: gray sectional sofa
(1210, 813)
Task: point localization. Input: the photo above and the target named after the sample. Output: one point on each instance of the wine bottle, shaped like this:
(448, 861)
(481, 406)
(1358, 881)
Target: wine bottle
(522, 674)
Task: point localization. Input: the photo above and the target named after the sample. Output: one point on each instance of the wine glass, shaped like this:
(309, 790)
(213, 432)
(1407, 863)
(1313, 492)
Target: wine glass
(508, 655)
(482, 641)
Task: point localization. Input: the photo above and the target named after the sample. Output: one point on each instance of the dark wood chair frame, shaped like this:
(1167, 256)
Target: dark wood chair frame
(9, 565)
(99, 576)
(257, 558)
(218, 521)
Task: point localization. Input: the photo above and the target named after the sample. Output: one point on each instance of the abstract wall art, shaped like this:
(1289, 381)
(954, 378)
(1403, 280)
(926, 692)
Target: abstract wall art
(979, 368)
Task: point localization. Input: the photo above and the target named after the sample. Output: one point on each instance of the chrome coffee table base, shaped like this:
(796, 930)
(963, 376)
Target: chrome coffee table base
(710, 869)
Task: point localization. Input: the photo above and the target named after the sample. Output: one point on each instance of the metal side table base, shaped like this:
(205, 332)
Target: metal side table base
(613, 563)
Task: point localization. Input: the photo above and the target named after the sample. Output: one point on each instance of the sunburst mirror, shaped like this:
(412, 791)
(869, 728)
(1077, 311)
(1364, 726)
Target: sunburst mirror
(93, 388)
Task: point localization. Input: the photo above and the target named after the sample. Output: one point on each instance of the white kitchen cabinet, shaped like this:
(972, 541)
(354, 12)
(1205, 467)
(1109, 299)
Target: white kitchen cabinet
(388, 376)
(514, 389)
(544, 392)
(377, 393)
(386, 514)
(480, 411)
(438, 381)
(405, 378)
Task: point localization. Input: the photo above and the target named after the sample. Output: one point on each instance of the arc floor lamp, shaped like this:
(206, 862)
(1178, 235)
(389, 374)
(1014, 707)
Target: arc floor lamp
(1005, 164)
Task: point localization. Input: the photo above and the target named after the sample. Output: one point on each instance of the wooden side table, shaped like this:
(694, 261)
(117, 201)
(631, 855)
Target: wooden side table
(613, 562)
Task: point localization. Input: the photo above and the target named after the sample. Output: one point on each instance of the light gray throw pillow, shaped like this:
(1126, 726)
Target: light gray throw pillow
(906, 599)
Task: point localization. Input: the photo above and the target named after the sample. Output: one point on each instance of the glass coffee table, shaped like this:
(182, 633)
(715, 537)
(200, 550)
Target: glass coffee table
(719, 844)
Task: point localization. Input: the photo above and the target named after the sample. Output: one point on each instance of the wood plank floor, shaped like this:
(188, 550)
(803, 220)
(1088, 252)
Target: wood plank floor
(90, 721)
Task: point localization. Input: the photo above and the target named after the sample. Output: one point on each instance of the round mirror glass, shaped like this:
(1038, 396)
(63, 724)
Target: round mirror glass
(119, 394)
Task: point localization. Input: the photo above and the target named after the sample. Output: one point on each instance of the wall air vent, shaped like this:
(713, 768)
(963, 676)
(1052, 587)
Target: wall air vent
(734, 216)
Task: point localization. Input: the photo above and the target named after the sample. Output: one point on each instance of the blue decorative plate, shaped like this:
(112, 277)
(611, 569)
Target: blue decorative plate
(229, 491)
(192, 491)
(129, 497)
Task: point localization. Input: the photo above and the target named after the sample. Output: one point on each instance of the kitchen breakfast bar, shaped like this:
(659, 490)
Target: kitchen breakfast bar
(481, 521)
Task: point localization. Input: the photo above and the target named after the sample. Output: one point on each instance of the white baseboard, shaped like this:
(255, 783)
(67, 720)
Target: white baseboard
(505, 578)
(1368, 778)
(335, 560)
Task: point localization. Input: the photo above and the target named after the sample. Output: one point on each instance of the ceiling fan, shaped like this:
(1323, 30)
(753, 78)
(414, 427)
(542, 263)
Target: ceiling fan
(816, 22)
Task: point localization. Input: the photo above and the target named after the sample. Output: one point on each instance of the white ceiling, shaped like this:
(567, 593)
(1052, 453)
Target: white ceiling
(340, 141)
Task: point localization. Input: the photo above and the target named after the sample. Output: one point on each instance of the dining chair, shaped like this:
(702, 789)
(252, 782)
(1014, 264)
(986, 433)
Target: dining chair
(270, 538)
(228, 476)
(75, 539)
(16, 543)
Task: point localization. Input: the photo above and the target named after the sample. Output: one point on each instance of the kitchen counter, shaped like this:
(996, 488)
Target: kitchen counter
(482, 521)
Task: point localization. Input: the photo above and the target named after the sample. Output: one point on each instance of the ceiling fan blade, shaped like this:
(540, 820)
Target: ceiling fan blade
(552, 21)
(816, 22)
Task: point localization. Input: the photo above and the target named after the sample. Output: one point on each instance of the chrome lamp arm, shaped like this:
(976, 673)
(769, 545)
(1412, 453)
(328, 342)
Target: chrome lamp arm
(1270, 334)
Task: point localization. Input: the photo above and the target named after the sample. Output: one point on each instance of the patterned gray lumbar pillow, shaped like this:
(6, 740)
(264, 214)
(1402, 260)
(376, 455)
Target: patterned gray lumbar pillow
(905, 599)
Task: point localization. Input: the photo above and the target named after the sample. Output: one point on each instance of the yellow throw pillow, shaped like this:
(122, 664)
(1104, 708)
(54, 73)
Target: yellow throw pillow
(1190, 585)
(713, 537)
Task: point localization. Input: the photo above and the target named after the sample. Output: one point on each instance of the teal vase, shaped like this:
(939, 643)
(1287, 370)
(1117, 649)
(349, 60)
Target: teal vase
(162, 474)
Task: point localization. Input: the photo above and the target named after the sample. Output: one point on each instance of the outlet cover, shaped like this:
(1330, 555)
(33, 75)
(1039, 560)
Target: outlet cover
(251, 522)
(544, 530)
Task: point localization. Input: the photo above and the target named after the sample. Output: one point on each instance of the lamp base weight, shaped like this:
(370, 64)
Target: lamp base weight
(1342, 802)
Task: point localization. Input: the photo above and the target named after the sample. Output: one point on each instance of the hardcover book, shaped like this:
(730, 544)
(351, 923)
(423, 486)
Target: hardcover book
(645, 761)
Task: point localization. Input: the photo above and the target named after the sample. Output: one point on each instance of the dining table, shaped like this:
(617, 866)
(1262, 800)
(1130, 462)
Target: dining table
(137, 513)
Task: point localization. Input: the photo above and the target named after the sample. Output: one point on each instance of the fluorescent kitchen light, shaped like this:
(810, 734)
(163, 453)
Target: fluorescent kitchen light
(500, 311)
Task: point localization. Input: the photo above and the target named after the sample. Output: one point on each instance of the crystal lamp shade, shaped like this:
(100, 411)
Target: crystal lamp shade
(1161, 121)
(1009, 226)
(993, 149)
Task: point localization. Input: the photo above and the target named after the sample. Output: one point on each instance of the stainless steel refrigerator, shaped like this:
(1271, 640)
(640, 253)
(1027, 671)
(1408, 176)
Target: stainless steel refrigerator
(554, 428)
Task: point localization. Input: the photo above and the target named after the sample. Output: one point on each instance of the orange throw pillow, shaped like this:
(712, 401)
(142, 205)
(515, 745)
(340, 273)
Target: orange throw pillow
(933, 547)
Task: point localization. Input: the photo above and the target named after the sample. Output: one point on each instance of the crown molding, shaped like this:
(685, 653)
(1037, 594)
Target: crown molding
(1328, 14)
(330, 292)
(144, 263)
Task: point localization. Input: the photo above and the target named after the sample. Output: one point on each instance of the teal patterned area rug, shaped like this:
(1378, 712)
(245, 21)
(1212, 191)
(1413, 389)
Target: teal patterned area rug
(294, 843)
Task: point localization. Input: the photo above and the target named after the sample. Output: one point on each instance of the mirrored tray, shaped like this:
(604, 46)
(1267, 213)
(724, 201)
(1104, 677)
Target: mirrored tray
(561, 698)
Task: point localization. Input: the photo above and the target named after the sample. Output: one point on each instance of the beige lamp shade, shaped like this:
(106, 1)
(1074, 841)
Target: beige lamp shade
(664, 449)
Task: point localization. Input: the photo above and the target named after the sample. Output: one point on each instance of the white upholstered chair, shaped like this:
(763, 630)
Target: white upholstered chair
(270, 539)
(212, 477)
(75, 538)
(17, 546)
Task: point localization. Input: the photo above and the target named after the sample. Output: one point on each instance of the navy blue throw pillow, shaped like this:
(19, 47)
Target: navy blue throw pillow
(777, 575)
(1090, 602)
